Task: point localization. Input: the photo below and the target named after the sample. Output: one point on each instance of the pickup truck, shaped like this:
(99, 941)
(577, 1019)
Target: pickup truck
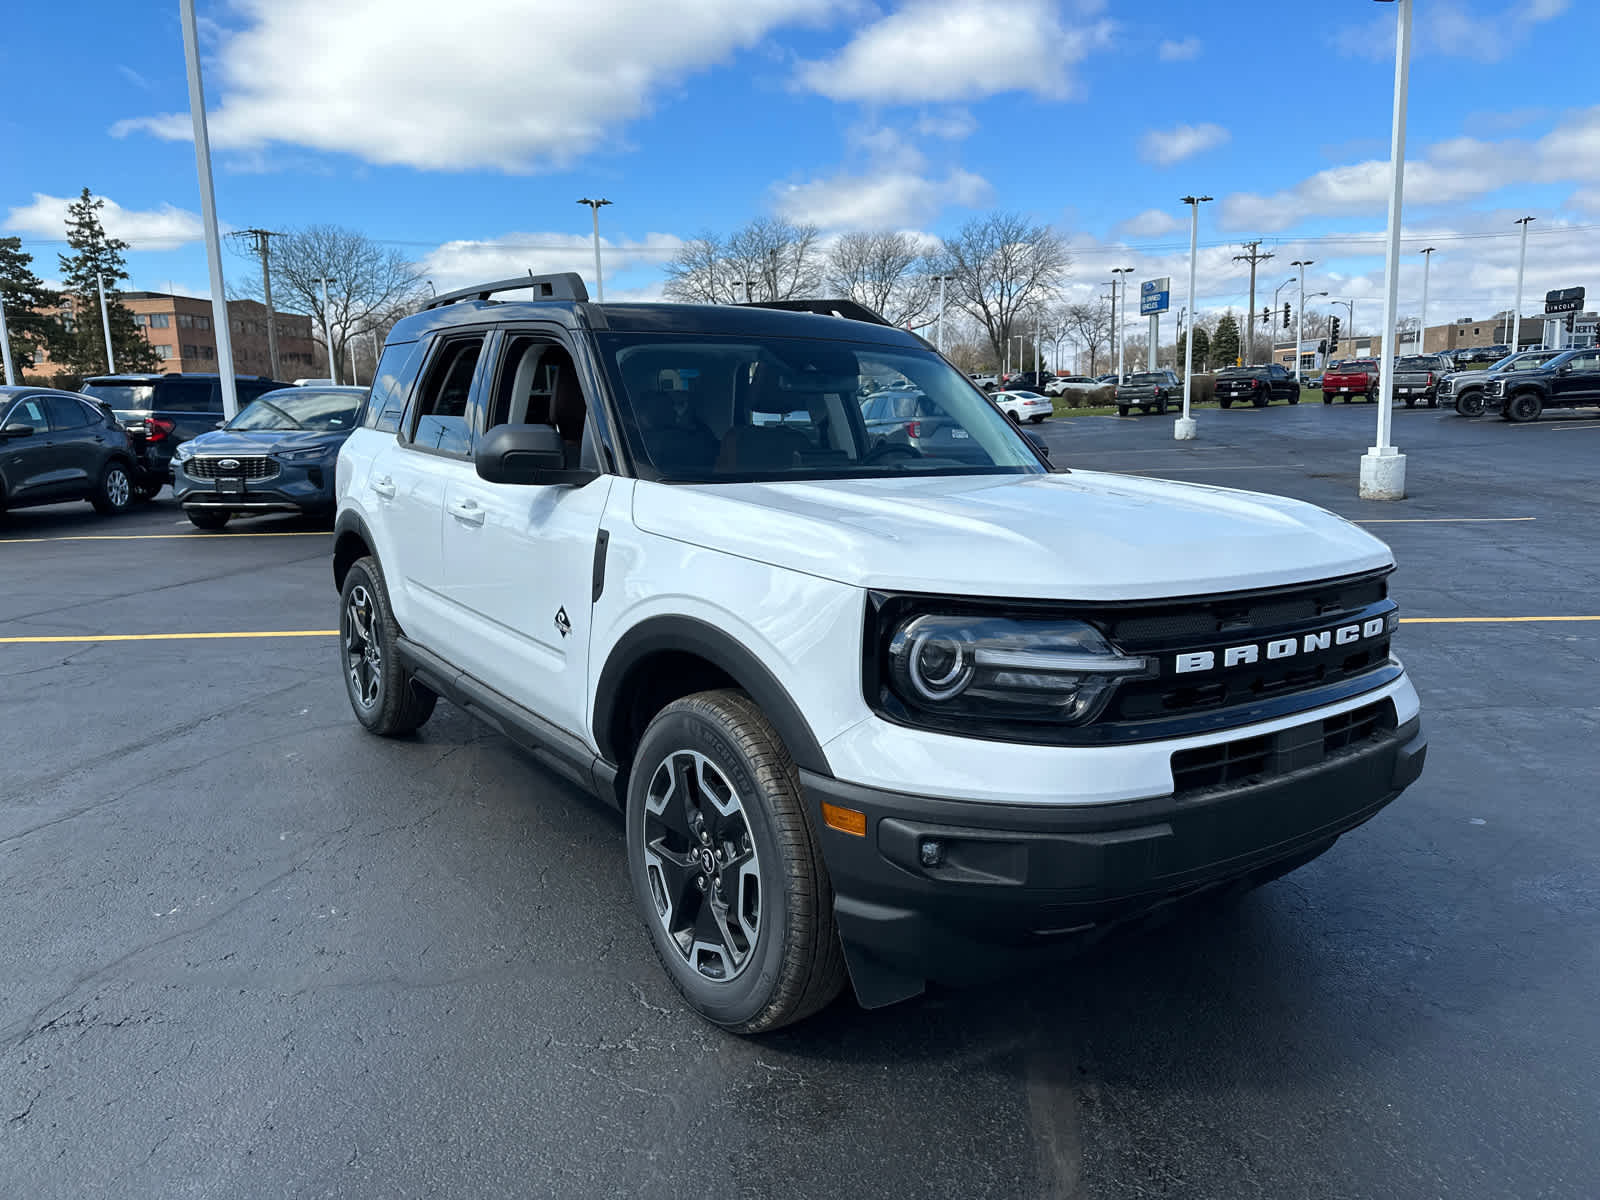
(1416, 377)
(1355, 377)
(1464, 389)
(1569, 380)
(1149, 391)
(1259, 385)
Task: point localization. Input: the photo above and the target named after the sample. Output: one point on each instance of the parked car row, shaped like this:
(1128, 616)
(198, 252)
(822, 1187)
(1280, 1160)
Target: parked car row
(125, 437)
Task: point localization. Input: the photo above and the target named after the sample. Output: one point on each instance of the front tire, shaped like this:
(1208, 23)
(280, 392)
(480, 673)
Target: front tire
(725, 867)
(1294, 396)
(1524, 407)
(114, 493)
(386, 700)
(1470, 404)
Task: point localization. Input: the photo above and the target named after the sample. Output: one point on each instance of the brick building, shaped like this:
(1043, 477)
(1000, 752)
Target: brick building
(179, 329)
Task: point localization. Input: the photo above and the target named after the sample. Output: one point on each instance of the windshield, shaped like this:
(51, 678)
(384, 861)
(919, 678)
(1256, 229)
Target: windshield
(123, 396)
(712, 408)
(300, 408)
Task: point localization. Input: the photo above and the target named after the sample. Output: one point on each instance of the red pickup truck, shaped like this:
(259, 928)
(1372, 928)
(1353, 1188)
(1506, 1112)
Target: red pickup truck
(1357, 377)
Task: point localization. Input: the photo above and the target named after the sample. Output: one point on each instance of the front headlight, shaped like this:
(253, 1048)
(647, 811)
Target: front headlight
(312, 454)
(184, 452)
(1055, 670)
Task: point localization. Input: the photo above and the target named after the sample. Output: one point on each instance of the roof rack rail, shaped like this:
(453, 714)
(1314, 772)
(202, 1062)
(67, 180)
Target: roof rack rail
(568, 285)
(848, 309)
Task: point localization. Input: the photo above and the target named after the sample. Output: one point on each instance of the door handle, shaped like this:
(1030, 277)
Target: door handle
(384, 487)
(466, 511)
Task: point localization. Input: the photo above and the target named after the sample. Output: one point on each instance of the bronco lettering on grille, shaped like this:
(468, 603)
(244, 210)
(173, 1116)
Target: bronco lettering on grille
(1286, 647)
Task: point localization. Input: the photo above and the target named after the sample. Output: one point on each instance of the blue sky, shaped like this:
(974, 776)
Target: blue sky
(464, 134)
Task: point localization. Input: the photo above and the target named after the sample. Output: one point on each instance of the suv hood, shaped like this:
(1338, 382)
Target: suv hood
(1079, 536)
(266, 441)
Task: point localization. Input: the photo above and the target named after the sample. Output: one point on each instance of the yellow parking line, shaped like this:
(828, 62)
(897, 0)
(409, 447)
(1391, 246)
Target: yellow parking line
(1484, 620)
(157, 537)
(173, 637)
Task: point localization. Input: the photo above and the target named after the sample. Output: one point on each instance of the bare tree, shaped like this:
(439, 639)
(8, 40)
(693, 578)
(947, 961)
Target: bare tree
(884, 272)
(1001, 266)
(700, 273)
(1089, 326)
(367, 284)
(775, 260)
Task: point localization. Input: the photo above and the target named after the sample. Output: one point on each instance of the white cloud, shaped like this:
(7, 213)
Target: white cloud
(879, 199)
(1153, 222)
(1167, 146)
(1447, 172)
(164, 228)
(1452, 29)
(500, 86)
(1188, 48)
(953, 124)
(930, 51)
(463, 263)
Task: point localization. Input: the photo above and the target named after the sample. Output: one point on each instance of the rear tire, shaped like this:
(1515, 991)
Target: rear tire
(712, 790)
(114, 493)
(1122, 410)
(386, 700)
(1327, 399)
(205, 518)
(1036, 419)
(1411, 401)
(1226, 403)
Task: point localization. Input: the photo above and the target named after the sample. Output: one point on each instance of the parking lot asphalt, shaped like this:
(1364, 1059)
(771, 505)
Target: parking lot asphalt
(247, 950)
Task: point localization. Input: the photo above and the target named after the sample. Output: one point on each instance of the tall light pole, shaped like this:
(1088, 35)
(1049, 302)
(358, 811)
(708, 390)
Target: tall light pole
(1276, 292)
(595, 206)
(1300, 317)
(327, 328)
(1516, 311)
(1122, 333)
(940, 337)
(208, 211)
(1383, 467)
(1427, 261)
(5, 347)
(1183, 428)
(105, 324)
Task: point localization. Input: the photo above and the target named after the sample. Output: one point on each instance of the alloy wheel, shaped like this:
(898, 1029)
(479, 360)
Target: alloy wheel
(701, 864)
(118, 489)
(363, 657)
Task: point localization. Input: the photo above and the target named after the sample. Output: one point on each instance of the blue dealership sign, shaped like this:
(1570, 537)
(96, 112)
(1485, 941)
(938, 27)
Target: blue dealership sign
(1155, 296)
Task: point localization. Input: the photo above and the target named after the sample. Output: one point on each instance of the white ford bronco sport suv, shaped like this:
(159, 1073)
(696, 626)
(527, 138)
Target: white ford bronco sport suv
(883, 704)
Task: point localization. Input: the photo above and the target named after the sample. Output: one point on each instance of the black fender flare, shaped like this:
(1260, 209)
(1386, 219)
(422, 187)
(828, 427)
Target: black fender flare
(348, 521)
(689, 635)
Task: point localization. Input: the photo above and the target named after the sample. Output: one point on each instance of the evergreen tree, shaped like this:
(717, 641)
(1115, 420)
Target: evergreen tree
(23, 292)
(1202, 348)
(1225, 342)
(96, 257)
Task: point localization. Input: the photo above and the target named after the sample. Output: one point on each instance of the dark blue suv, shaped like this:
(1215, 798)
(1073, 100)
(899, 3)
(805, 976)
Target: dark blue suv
(277, 455)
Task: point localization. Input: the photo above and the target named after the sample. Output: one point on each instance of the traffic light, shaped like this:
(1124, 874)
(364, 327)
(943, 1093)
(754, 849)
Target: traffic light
(1333, 335)
(1266, 317)
(1286, 314)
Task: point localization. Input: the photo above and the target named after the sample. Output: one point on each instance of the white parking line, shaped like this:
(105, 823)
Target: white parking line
(1436, 520)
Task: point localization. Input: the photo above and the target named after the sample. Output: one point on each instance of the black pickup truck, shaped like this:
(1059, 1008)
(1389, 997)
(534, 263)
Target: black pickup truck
(1259, 385)
(1569, 380)
(1149, 391)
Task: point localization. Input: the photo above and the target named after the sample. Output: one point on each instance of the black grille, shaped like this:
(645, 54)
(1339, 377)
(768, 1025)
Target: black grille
(251, 466)
(1250, 760)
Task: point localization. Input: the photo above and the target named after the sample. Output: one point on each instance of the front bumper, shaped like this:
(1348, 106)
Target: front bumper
(1017, 883)
(296, 488)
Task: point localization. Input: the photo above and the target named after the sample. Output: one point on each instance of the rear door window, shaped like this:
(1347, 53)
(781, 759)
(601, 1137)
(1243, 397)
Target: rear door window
(66, 413)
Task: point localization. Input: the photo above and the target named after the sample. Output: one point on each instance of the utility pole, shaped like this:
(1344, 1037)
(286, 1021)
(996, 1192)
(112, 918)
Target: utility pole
(1300, 315)
(327, 329)
(260, 238)
(1427, 261)
(1254, 258)
(1516, 312)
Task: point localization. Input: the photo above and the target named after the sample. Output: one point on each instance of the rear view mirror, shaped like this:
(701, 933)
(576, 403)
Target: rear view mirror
(17, 429)
(526, 454)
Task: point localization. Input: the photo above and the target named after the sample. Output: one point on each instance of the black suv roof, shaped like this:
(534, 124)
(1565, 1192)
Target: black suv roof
(154, 377)
(837, 320)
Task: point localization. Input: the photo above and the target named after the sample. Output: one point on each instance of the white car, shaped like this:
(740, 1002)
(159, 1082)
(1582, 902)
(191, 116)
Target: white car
(1063, 384)
(874, 710)
(1024, 406)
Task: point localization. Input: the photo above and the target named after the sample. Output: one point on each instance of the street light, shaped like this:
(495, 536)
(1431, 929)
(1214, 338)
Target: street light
(595, 207)
(1383, 467)
(327, 327)
(1300, 320)
(1427, 261)
(943, 279)
(1183, 427)
(1516, 311)
(1121, 326)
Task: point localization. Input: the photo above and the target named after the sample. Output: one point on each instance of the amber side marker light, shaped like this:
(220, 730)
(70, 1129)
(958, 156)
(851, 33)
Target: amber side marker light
(845, 820)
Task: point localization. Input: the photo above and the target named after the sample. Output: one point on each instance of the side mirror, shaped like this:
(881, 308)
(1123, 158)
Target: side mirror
(526, 454)
(1038, 444)
(220, 425)
(16, 429)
